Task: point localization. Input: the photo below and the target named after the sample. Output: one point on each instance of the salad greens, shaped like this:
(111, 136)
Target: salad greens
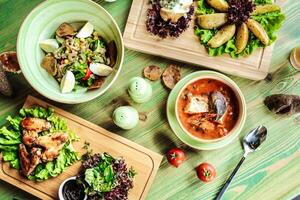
(10, 138)
(271, 22)
(100, 178)
(104, 177)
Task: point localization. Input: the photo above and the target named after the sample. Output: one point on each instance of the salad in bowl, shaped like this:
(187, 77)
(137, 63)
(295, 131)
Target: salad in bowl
(70, 51)
(78, 58)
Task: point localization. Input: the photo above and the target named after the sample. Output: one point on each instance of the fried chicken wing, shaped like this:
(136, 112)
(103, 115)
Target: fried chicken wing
(52, 144)
(35, 124)
(29, 137)
(29, 161)
(24, 159)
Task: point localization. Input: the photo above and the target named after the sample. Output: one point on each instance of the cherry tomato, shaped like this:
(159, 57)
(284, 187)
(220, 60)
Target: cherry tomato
(206, 172)
(175, 157)
(87, 74)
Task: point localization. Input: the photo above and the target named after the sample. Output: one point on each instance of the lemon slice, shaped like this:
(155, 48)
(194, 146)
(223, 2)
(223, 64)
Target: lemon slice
(86, 31)
(100, 69)
(67, 83)
(49, 45)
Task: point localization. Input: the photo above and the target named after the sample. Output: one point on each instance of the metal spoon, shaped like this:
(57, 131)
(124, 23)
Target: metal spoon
(251, 142)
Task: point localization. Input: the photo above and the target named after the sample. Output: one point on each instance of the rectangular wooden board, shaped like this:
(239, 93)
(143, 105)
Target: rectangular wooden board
(187, 47)
(144, 161)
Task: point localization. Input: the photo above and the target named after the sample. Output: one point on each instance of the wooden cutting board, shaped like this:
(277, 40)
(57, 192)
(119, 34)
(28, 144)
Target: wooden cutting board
(187, 47)
(144, 161)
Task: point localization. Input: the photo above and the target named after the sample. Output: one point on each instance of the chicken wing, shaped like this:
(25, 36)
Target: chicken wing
(35, 124)
(29, 161)
(29, 137)
(52, 144)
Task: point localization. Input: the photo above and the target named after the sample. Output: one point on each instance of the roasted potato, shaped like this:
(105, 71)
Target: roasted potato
(242, 37)
(257, 29)
(167, 14)
(220, 5)
(262, 9)
(212, 21)
(222, 36)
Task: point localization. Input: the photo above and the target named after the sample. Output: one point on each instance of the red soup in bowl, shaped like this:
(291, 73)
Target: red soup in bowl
(207, 109)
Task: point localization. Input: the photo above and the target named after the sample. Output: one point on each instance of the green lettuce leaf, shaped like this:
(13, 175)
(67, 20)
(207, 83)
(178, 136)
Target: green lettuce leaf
(15, 163)
(57, 124)
(14, 122)
(36, 111)
(203, 8)
(9, 134)
(9, 155)
(259, 2)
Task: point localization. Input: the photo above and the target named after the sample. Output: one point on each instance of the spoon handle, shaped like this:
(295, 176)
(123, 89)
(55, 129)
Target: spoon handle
(220, 195)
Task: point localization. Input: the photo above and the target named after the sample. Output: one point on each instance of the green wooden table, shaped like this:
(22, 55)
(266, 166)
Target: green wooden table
(271, 173)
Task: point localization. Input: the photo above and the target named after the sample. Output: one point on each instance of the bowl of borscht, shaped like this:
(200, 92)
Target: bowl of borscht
(210, 107)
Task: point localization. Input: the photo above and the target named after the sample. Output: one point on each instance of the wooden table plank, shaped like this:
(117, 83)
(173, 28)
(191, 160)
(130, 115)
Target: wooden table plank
(271, 173)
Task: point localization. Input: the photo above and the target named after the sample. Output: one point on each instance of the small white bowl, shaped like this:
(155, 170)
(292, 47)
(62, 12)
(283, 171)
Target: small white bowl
(60, 190)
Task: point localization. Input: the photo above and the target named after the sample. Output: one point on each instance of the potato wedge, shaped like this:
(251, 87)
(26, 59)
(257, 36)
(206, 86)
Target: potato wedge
(211, 21)
(262, 9)
(257, 29)
(242, 37)
(222, 36)
(220, 5)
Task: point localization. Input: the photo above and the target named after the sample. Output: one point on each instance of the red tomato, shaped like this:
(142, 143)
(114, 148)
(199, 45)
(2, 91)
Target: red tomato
(206, 172)
(87, 74)
(175, 157)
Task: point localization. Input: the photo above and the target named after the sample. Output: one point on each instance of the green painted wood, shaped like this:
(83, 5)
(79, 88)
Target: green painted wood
(271, 173)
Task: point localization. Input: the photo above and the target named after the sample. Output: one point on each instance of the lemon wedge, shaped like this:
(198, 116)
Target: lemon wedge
(100, 69)
(49, 45)
(86, 31)
(67, 83)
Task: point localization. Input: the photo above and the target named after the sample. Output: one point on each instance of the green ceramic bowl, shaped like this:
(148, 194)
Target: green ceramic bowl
(187, 138)
(42, 23)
